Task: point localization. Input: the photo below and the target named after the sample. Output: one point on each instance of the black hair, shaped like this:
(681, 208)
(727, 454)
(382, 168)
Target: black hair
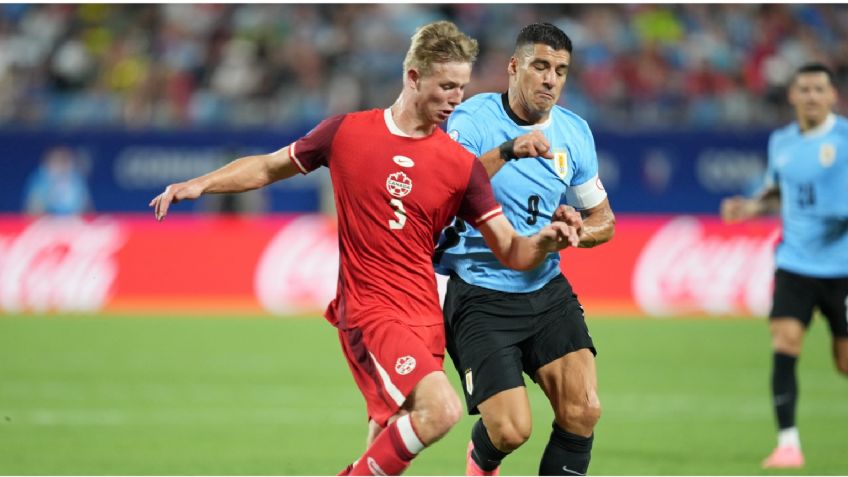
(815, 68)
(544, 33)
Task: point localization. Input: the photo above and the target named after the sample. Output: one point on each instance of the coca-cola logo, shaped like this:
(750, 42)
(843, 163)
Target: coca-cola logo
(60, 264)
(683, 269)
(298, 271)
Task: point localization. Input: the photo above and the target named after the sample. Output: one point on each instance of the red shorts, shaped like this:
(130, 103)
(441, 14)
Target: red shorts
(388, 359)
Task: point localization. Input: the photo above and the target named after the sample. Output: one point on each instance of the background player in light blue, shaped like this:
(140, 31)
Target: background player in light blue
(501, 323)
(807, 181)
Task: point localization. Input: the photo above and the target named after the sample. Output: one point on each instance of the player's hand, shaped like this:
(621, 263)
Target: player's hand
(569, 215)
(532, 144)
(173, 194)
(737, 208)
(557, 236)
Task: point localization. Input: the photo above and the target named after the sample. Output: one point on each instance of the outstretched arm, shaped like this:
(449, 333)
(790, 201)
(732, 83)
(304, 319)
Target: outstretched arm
(737, 208)
(525, 253)
(246, 173)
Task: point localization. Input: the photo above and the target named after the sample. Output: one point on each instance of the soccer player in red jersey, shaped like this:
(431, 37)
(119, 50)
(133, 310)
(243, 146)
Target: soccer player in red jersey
(398, 180)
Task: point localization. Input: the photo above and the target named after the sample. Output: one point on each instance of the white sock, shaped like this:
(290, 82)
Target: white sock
(789, 437)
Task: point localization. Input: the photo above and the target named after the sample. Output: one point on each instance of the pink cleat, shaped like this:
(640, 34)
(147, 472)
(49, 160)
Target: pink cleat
(786, 457)
(471, 467)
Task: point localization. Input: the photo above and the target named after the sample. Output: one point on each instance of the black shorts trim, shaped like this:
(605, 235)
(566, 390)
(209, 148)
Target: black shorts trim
(493, 337)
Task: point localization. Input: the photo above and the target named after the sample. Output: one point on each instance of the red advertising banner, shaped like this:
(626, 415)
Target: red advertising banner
(288, 265)
(677, 265)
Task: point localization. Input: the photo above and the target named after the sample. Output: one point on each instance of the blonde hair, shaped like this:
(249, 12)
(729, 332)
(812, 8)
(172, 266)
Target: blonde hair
(439, 42)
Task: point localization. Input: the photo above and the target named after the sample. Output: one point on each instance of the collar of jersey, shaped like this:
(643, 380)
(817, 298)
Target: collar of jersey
(822, 128)
(392, 125)
(520, 122)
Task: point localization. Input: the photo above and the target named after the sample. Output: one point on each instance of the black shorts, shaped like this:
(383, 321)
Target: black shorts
(796, 296)
(492, 336)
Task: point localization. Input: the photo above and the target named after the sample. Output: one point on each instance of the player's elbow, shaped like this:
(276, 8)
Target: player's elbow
(610, 230)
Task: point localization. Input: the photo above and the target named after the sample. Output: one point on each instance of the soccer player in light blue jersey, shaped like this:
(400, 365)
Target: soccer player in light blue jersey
(807, 181)
(501, 323)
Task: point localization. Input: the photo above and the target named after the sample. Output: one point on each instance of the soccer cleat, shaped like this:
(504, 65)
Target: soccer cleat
(785, 457)
(471, 467)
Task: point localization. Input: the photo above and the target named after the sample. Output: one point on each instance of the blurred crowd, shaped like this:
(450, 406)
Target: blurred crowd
(260, 65)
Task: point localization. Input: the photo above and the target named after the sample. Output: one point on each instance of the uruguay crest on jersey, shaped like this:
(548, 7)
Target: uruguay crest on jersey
(827, 154)
(561, 163)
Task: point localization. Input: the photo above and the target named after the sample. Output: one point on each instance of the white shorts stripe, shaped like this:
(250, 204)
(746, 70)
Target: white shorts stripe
(407, 433)
(296, 161)
(388, 385)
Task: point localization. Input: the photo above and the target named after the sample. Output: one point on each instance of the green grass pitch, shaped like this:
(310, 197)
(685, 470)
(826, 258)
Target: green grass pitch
(188, 396)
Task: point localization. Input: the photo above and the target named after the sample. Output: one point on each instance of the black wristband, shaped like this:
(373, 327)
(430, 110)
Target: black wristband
(507, 150)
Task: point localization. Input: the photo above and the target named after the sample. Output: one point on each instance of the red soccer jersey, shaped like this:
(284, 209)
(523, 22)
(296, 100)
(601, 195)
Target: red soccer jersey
(394, 194)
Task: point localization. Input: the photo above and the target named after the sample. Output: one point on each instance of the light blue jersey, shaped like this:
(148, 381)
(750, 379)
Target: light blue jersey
(811, 170)
(529, 189)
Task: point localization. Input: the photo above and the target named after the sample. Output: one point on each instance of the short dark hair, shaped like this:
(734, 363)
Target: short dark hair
(544, 33)
(815, 68)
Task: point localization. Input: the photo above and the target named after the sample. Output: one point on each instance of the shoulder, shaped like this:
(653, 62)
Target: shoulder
(570, 118)
(841, 125)
(359, 124)
(476, 110)
(329, 124)
(365, 118)
(451, 147)
(571, 125)
(784, 131)
(480, 102)
(467, 123)
(366, 115)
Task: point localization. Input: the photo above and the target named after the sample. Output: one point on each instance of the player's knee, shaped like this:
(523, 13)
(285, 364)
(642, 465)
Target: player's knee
(510, 433)
(592, 414)
(580, 417)
(452, 412)
(436, 420)
(787, 336)
(446, 417)
(787, 344)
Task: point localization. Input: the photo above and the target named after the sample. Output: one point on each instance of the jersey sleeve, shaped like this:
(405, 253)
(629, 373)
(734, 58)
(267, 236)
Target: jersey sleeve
(771, 179)
(586, 190)
(313, 150)
(462, 129)
(479, 204)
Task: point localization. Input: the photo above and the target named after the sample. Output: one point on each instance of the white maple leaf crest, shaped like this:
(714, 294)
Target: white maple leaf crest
(398, 184)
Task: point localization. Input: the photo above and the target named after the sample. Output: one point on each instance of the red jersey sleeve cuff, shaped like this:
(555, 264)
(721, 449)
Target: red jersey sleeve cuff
(489, 216)
(296, 161)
